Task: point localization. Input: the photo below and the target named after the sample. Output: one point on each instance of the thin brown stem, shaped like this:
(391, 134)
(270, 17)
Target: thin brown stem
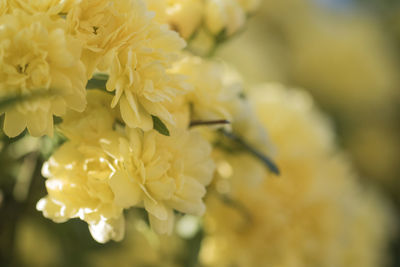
(195, 123)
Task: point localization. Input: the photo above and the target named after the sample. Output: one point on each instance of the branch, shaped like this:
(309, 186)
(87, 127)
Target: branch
(266, 160)
(195, 123)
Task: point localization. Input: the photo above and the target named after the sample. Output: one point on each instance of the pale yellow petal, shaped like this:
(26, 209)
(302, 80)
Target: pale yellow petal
(14, 123)
(127, 193)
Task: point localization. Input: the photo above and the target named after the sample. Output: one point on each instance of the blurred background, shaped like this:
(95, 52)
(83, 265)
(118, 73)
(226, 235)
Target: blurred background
(345, 52)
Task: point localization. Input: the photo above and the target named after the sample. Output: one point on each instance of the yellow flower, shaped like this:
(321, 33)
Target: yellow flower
(100, 172)
(166, 173)
(142, 82)
(104, 26)
(314, 214)
(123, 38)
(37, 54)
(78, 187)
(185, 16)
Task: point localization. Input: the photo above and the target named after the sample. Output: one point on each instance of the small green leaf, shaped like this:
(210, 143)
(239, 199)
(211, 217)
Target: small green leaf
(159, 126)
(99, 82)
(96, 84)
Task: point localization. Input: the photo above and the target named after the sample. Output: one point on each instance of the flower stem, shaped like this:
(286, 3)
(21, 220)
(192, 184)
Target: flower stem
(195, 123)
(266, 160)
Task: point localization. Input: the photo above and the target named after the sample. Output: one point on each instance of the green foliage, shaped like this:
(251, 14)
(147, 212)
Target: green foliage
(98, 81)
(159, 126)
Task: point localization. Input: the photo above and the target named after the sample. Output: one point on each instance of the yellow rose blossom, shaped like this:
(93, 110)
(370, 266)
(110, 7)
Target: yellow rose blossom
(124, 39)
(36, 54)
(141, 80)
(104, 26)
(78, 187)
(100, 172)
(166, 173)
(79, 171)
(314, 214)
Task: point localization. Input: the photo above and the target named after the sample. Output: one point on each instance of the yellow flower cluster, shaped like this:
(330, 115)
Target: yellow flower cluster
(131, 142)
(122, 37)
(46, 45)
(113, 159)
(100, 172)
(314, 214)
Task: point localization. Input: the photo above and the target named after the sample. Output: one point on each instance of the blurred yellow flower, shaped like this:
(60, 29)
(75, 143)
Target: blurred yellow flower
(38, 55)
(212, 95)
(185, 16)
(314, 214)
(224, 15)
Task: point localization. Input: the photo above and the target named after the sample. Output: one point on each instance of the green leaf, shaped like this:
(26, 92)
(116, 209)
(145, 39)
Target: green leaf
(96, 84)
(159, 126)
(99, 82)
